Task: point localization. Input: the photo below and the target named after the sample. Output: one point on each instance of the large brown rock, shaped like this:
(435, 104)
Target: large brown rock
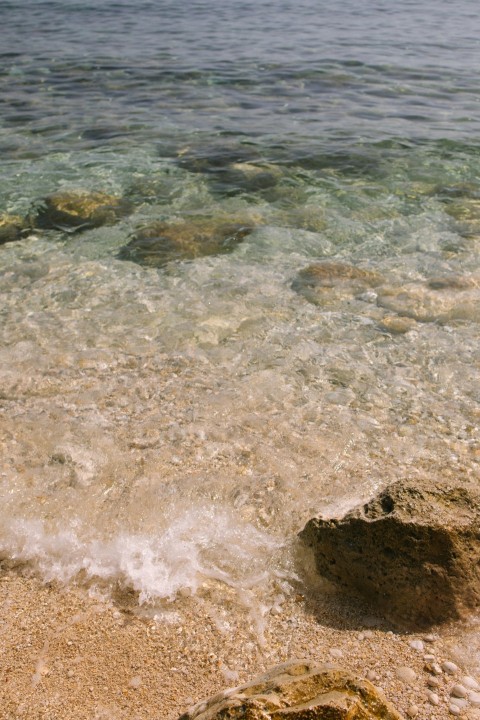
(298, 690)
(413, 551)
(160, 243)
(80, 210)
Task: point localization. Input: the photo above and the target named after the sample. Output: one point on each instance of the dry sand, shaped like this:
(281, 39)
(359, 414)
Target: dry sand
(66, 654)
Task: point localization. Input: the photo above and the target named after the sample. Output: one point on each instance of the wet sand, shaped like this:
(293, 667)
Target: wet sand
(68, 654)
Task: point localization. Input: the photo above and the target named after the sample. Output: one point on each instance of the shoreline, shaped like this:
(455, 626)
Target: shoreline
(67, 654)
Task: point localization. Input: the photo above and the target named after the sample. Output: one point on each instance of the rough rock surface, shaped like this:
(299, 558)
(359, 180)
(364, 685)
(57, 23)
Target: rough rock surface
(298, 690)
(158, 244)
(12, 227)
(323, 281)
(413, 550)
(80, 210)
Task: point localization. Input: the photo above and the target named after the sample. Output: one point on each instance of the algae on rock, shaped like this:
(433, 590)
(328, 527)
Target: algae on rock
(79, 210)
(157, 244)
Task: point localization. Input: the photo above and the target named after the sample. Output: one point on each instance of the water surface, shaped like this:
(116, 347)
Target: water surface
(173, 428)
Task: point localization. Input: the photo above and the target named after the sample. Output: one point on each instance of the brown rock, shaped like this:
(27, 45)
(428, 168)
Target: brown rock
(413, 550)
(298, 690)
(322, 281)
(80, 210)
(158, 244)
(12, 227)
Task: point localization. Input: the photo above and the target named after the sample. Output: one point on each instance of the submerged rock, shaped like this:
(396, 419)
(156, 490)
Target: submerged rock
(160, 243)
(80, 210)
(440, 300)
(323, 282)
(212, 159)
(12, 227)
(298, 690)
(231, 169)
(413, 550)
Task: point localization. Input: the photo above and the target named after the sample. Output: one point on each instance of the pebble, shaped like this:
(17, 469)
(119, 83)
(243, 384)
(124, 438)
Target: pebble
(372, 675)
(454, 709)
(417, 645)
(458, 691)
(470, 683)
(433, 682)
(412, 711)
(429, 638)
(429, 658)
(459, 702)
(474, 698)
(336, 652)
(433, 698)
(449, 667)
(433, 668)
(406, 674)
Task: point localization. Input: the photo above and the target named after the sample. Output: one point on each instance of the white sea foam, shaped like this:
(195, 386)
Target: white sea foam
(198, 546)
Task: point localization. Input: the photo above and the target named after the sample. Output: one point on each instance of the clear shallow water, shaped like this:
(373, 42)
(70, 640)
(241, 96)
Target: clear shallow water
(172, 429)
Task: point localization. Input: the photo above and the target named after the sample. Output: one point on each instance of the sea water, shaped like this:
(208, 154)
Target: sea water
(170, 430)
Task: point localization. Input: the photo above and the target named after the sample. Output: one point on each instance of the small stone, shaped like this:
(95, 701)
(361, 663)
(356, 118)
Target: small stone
(434, 668)
(397, 325)
(449, 667)
(429, 638)
(406, 674)
(433, 698)
(454, 710)
(470, 683)
(416, 645)
(461, 703)
(372, 675)
(474, 698)
(70, 674)
(429, 658)
(458, 691)
(360, 636)
(412, 711)
(336, 652)
(327, 281)
(433, 682)
(135, 682)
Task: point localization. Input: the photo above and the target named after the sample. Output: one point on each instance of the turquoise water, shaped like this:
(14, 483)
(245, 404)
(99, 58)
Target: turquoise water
(173, 428)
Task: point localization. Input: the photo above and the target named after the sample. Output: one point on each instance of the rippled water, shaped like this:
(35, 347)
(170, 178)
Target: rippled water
(173, 429)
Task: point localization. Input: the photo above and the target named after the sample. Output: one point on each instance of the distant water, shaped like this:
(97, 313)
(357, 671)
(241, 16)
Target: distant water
(173, 429)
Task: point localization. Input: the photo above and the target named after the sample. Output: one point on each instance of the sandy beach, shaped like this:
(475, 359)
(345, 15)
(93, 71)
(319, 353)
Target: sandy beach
(67, 654)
